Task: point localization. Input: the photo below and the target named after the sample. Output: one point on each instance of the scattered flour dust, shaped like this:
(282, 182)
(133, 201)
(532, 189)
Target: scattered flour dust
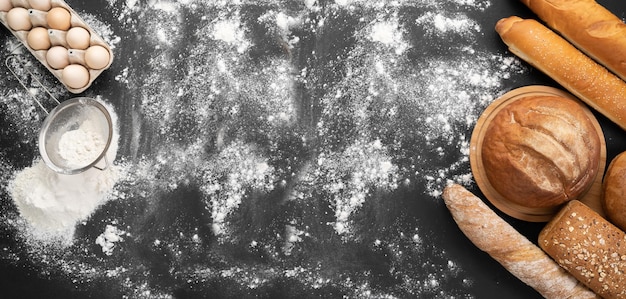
(436, 5)
(230, 32)
(446, 95)
(389, 33)
(292, 236)
(54, 203)
(444, 92)
(368, 167)
(108, 239)
(239, 169)
(440, 24)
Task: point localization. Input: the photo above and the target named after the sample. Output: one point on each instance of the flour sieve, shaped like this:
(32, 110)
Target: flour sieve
(75, 135)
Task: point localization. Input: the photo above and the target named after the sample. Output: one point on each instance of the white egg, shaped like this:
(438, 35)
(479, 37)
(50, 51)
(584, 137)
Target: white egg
(43, 5)
(19, 19)
(78, 38)
(57, 57)
(38, 38)
(75, 76)
(97, 57)
(5, 5)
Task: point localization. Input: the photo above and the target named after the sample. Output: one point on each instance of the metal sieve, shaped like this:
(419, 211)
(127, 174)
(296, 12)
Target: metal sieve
(69, 116)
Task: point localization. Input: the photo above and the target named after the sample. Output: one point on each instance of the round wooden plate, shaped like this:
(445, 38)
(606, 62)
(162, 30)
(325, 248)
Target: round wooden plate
(591, 197)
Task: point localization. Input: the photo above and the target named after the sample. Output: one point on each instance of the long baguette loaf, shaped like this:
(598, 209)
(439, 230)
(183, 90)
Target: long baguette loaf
(589, 247)
(575, 71)
(511, 249)
(589, 26)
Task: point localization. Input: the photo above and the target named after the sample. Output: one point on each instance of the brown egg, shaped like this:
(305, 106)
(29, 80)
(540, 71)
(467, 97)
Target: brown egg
(59, 18)
(57, 57)
(18, 19)
(97, 57)
(43, 5)
(78, 38)
(38, 38)
(75, 76)
(5, 5)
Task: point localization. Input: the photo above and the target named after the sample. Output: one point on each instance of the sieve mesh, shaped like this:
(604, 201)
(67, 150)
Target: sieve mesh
(69, 116)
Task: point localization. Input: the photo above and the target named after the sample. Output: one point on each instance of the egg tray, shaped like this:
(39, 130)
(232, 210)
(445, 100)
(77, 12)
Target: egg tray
(57, 38)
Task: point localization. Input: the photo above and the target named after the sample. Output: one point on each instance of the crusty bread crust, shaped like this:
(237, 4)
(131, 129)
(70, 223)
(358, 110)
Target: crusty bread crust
(571, 68)
(614, 191)
(511, 249)
(589, 247)
(589, 26)
(541, 151)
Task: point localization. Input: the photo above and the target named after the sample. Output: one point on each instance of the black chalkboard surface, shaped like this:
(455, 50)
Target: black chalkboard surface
(265, 149)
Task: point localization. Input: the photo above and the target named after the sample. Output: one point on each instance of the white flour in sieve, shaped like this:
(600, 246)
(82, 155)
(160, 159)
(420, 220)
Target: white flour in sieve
(82, 146)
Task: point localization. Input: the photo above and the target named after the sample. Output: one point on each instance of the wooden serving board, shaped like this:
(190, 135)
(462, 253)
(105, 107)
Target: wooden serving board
(592, 197)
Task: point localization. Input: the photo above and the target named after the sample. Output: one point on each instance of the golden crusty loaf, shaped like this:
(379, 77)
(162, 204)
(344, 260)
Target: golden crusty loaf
(511, 249)
(589, 247)
(575, 71)
(589, 26)
(614, 191)
(541, 151)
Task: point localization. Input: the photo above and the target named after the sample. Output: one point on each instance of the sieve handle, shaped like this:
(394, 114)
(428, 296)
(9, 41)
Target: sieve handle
(14, 57)
(106, 164)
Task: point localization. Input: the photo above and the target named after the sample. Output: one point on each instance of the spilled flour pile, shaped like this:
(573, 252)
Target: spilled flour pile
(111, 236)
(53, 203)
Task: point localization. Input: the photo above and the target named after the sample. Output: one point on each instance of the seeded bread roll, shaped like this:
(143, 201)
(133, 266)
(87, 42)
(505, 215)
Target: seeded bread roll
(511, 249)
(575, 71)
(589, 247)
(589, 26)
(614, 191)
(541, 151)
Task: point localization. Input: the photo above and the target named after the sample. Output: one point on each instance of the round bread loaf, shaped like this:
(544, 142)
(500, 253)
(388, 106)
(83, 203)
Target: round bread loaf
(614, 191)
(541, 151)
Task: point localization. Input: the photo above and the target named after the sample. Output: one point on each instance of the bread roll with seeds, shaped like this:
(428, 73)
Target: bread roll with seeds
(511, 249)
(589, 247)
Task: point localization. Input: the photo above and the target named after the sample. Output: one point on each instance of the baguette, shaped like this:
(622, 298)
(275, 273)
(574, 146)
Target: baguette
(511, 249)
(589, 26)
(572, 69)
(589, 247)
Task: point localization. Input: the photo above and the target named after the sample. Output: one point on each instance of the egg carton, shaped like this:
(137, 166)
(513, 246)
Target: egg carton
(74, 58)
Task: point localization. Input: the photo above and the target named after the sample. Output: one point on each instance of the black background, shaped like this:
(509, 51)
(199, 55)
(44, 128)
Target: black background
(25, 279)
